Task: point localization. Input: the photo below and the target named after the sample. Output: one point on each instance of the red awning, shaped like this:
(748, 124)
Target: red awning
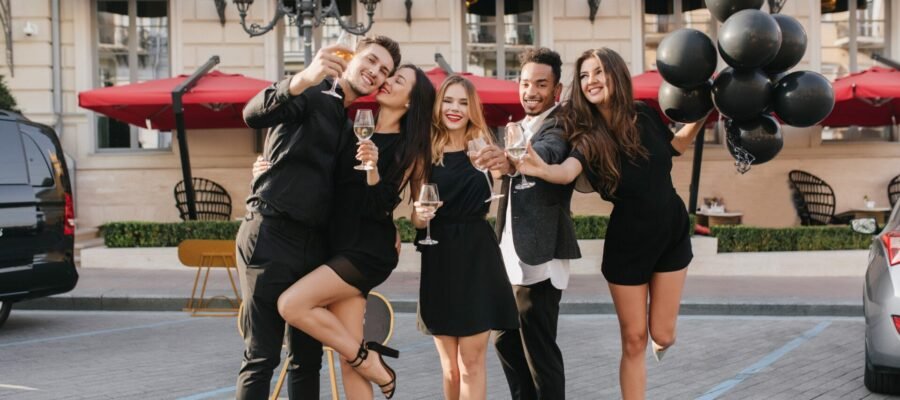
(215, 102)
(500, 98)
(867, 98)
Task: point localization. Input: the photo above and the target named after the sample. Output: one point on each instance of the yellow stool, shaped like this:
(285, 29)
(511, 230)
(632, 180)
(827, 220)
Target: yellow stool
(209, 254)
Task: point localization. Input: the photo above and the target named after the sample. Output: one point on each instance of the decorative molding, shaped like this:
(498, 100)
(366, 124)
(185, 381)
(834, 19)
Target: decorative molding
(595, 6)
(6, 21)
(220, 8)
(408, 4)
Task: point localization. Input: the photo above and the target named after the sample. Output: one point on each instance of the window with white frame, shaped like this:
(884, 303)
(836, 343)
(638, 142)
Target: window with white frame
(847, 49)
(496, 31)
(132, 40)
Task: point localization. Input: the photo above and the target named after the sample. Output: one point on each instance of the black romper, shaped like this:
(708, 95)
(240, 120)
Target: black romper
(649, 230)
(464, 289)
(362, 233)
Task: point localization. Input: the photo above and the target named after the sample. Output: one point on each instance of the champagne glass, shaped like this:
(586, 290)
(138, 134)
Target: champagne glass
(347, 40)
(430, 200)
(516, 147)
(363, 127)
(475, 145)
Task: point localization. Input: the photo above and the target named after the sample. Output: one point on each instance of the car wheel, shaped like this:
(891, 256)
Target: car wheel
(5, 307)
(885, 383)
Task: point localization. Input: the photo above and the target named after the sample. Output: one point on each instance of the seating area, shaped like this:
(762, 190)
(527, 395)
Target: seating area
(894, 190)
(814, 200)
(213, 201)
(208, 255)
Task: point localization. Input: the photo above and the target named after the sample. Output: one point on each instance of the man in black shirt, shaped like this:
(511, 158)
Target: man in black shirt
(282, 237)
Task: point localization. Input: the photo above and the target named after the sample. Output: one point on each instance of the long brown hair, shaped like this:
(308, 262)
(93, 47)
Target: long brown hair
(599, 140)
(477, 126)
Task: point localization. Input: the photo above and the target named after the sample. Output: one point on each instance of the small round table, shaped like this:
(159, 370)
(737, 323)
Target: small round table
(710, 219)
(879, 213)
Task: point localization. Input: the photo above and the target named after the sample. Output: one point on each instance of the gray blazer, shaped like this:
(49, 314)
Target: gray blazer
(542, 219)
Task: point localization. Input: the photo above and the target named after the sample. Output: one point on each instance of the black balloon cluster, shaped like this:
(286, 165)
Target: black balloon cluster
(759, 48)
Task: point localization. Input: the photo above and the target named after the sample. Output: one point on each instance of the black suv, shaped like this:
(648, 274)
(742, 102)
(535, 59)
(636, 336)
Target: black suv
(37, 216)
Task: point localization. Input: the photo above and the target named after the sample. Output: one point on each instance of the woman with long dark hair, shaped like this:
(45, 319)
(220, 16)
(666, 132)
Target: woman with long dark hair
(464, 291)
(329, 303)
(624, 151)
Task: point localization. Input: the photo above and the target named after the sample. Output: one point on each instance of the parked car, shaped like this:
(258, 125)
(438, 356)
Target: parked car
(37, 214)
(881, 304)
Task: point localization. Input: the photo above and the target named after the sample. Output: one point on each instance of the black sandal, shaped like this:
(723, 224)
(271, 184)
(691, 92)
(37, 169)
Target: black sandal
(383, 351)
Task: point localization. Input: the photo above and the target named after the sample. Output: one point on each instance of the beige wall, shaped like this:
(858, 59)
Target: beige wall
(122, 186)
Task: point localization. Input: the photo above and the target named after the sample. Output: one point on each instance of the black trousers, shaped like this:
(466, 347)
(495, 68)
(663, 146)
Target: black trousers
(531, 359)
(272, 254)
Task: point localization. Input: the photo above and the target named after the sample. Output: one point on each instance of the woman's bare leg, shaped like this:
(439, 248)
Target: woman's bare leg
(473, 374)
(448, 350)
(631, 308)
(665, 300)
(303, 305)
(351, 312)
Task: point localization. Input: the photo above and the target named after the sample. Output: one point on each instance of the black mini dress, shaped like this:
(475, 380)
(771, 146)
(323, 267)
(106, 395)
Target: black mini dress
(649, 230)
(362, 233)
(464, 289)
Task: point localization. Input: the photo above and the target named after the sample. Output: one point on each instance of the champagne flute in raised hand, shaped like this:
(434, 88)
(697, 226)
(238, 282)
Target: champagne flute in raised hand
(348, 40)
(475, 145)
(516, 147)
(429, 200)
(363, 127)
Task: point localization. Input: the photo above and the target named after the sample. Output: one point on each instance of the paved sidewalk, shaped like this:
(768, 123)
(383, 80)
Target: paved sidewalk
(168, 290)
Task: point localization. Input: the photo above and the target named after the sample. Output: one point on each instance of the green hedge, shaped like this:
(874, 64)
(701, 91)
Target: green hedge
(731, 238)
(807, 238)
(156, 234)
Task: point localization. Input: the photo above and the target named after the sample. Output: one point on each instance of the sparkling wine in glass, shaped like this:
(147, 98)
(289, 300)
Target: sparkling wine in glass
(475, 145)
(364, 128)
(516, 147)
(430, 200)
(347, 40)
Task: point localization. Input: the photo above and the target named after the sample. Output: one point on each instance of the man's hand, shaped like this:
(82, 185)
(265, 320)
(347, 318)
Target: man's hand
(494, 158)
(325, 63)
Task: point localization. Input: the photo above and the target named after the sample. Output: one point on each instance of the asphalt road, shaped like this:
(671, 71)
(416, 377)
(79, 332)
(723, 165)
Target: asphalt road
(169, 355)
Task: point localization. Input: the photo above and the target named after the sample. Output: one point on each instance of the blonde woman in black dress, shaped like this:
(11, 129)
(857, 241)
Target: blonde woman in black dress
(464, 292)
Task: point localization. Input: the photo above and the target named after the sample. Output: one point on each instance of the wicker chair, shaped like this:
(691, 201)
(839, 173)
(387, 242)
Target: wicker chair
(213, 202)
(814, 200)
(894, 190)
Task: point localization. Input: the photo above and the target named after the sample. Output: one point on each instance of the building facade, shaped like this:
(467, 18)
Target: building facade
(127, 173)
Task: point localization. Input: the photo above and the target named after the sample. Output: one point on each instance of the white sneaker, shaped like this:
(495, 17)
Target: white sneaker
(658, 351)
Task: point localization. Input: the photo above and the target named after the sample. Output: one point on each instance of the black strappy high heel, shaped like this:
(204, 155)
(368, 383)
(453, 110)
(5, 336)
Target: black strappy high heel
(382, 351)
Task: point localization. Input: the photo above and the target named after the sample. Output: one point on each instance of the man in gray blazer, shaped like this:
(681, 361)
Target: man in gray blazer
(537, 237)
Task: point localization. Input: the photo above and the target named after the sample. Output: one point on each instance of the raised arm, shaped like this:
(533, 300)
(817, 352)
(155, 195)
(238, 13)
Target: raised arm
(563, 173)
(686, 135)
(282, 100)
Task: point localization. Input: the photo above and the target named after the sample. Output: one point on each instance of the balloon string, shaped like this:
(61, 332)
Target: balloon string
(742, 158)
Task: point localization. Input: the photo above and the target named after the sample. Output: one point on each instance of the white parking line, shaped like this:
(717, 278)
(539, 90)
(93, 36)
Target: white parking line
(766, 361)
(17, 387)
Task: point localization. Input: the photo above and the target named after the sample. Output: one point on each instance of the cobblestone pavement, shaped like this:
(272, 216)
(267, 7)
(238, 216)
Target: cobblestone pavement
(157, 355)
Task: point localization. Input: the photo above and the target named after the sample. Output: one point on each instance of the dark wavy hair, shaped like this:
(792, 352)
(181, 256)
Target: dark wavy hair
(413, 160)
(601, 141)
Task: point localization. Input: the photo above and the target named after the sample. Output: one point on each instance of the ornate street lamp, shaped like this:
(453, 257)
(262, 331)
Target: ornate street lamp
(305, 14)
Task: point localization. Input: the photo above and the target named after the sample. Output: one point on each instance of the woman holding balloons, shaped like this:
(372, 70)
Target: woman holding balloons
(624, 151)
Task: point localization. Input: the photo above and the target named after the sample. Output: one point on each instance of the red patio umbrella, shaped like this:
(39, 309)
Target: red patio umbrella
(500, 98)
(866, 98)
(216, 101)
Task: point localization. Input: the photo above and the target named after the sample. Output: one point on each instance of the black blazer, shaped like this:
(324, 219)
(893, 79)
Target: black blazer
(542, 217)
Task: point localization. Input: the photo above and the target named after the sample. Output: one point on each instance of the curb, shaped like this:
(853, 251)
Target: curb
(71, 303)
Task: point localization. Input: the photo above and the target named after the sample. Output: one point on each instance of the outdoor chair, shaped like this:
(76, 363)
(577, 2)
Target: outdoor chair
(894, 190)
(213, 202)
(814, 200)
(378, 326)
(209, 254)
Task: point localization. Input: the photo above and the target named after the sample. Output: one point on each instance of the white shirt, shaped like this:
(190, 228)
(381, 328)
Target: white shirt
(520, 273)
